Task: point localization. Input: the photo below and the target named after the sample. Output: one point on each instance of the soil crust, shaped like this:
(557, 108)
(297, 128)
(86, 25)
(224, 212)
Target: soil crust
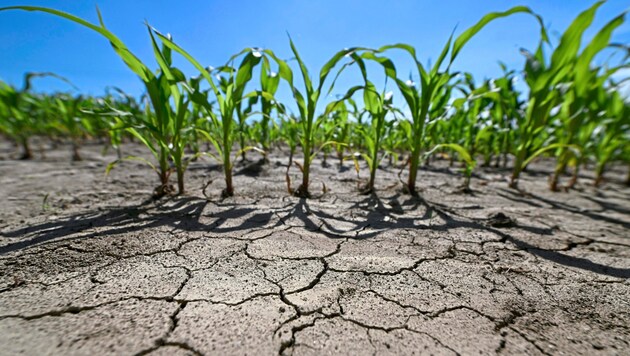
(90, 263)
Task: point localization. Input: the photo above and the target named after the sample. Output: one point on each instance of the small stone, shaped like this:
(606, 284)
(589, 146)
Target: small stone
(597, 346)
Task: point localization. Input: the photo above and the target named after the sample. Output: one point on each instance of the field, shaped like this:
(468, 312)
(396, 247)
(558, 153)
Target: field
(96, 267)
(261, 207)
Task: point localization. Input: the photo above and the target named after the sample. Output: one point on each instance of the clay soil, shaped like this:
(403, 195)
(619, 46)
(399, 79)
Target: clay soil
(90, 264)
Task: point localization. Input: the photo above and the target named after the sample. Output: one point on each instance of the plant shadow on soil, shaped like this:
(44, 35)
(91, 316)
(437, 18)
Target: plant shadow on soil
(185, 214)
(536, 200)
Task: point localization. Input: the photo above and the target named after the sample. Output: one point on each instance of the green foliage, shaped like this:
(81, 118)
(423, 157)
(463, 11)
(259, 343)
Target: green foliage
(574, 110)
(425, 100)
(562, 80)
(307, 101)
(229, 95)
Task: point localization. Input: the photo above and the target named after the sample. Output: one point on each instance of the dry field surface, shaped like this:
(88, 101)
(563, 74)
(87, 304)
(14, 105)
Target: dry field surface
(90, 265)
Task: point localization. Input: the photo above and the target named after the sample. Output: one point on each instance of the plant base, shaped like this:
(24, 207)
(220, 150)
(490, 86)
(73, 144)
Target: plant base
(163, 190)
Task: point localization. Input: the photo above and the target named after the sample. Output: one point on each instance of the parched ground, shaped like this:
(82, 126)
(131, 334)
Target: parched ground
(90, 265)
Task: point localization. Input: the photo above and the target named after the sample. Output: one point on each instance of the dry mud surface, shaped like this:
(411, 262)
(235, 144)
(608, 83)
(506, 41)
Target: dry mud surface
(89, 265)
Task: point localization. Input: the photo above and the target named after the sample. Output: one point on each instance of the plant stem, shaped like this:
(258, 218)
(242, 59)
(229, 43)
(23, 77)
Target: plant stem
(75, 151)
(560, 168)
(164, 173)
(180, 171)
(413, 169)
(302, 190)
(26, 149)
(599, 174)
(518, 163)
(227, 166)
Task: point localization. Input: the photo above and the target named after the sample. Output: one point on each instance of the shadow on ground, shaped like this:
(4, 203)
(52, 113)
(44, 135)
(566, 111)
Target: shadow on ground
(185, 214)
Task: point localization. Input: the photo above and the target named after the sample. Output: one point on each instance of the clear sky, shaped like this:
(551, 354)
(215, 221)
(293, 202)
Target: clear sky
(213, 30)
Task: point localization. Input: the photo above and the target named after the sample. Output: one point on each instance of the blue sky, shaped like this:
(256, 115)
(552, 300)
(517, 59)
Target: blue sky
(213, 30)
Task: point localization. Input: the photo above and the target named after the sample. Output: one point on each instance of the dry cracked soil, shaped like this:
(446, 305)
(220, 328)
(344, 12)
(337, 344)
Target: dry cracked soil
(90, 265)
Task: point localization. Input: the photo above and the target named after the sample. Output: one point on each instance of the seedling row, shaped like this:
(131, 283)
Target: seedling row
(572, 111)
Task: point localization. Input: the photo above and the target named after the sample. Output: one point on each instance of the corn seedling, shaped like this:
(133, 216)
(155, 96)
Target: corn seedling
(378, 105)
(465, 157)
(350, 132)
(506, 111)
(397, 141)
(610, 137)
(23, 112)
(244, 132)
(269, 83)
(162, 129)
(424, 99)
(72, 121)
(307, 106)
(288, 131)
(325, 134)
(576, 110)
(548, 82)
(111, 109)
(229, 95)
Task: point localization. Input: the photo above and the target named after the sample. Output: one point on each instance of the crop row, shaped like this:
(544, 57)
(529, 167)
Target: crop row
(573, 109)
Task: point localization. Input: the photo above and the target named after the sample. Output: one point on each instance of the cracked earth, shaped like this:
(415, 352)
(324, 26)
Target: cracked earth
(88, 265)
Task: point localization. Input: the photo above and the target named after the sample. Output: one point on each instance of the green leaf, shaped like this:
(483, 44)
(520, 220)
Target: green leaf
(372, 99)
(597, 44)
(571, 39)
(111, 165)
(305, 75)
(574, 148)
(473, 30)
(131, 60)
(463, 153)
(332, 62)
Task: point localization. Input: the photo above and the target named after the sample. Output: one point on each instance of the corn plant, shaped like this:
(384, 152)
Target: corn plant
(23, 112)
(378, 105)
(162, 128)
(424, 99)
(288, 131)
(15, 118)
(106, 112)
(397, 141)
(609, 139)
(229, 97)
(334, 131)
(351, 129)
(479, 120)
(269, 83)
(547, 83)
(507, 111)
(463, 130)
(72, 120)
(324, 135)
(111, 108)
(576, 110)
(307, 101)
(342, 127)
(446, 125)
(243, 131)
(197, 119)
